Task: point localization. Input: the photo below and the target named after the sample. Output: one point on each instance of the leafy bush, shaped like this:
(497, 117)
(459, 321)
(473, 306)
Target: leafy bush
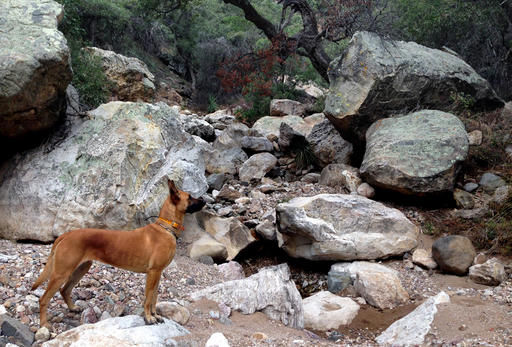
(212, 104)
(89, 79)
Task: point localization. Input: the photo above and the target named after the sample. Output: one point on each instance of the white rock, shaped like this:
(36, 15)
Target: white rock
(271, 291)
(269, 126)
(43, 334)
(343, 227)
(475, 138)
(377, 284)
(366, 190)
(4, 258)
(207, 246)
(423, 258)
(217, 340)
(325, 311)
(232, 234)
(257, 166)
(231, 271)
(411, 329)
(174, 311)
(490, 273)
(128, 331)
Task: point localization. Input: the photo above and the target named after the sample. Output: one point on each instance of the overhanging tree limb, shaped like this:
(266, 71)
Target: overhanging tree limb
(308, 40)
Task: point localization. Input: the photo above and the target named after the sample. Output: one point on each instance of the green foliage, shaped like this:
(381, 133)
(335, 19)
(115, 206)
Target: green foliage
(319, 105)
(429, 228)
(259, 107)
(462, 101)
(474, 29)
(212, 104)
(71, 24)
(283, 90)
(497, 230)
(304, 156)
(89, 79)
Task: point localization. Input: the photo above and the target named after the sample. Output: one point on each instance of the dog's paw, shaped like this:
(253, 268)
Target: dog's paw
(75, 308)
(150, 320)
(159, 318)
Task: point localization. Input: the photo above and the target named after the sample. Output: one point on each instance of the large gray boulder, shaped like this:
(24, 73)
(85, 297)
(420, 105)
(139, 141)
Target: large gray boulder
(271, 291)
(129, 77)
(34, 67)
(129, 331)
(256, 167)
(343, 227)
(376, 77)
(453, 253)
(227, 155)
(417, 154)
(328, 145)
(109, 172)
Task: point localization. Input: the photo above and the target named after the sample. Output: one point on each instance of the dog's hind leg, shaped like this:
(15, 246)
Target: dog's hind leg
(55, 283)
(152, 279)
(75, 277)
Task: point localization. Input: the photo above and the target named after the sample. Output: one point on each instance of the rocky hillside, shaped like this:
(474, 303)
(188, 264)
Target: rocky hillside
(384, 220)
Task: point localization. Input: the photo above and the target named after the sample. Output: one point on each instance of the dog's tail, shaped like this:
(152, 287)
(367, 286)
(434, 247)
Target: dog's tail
(48, 267)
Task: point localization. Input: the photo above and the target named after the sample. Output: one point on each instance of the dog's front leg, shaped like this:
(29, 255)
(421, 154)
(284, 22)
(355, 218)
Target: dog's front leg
(159, 318)
(152, 280)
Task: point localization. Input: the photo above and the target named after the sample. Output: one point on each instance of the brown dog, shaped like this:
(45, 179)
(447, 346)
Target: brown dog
(148, 249)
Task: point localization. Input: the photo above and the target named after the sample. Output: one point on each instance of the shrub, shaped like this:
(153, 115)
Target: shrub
(89, 79)
(212, 104)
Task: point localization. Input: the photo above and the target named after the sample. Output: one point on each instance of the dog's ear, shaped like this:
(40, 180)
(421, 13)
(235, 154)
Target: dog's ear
(173, 192)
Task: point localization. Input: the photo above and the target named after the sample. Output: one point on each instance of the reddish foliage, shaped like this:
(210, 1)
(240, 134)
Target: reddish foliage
(340, 17)
(254, 72)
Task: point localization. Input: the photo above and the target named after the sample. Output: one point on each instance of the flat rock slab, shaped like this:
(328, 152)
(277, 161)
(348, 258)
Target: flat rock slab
(285, 107)
(343, 227)
(34, 66)
(417, 154)
(271, 291)
(270, 125)
(129, 331)
(325, 311)
(412, 329)
(374, 78)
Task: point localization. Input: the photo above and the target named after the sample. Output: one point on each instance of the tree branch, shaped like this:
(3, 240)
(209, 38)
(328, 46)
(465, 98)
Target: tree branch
(253, 16)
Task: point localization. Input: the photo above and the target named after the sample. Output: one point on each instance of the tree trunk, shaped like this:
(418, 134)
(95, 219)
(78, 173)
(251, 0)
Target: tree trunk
(307, 43)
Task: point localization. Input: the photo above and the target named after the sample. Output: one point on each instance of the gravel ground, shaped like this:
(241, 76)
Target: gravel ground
(478, 315)
(119, 292)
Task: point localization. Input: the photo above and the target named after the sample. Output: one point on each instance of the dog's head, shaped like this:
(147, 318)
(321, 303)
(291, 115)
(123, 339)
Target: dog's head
(182, 201)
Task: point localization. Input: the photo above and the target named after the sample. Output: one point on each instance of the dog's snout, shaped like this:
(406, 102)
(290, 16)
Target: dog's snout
(195, 205)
